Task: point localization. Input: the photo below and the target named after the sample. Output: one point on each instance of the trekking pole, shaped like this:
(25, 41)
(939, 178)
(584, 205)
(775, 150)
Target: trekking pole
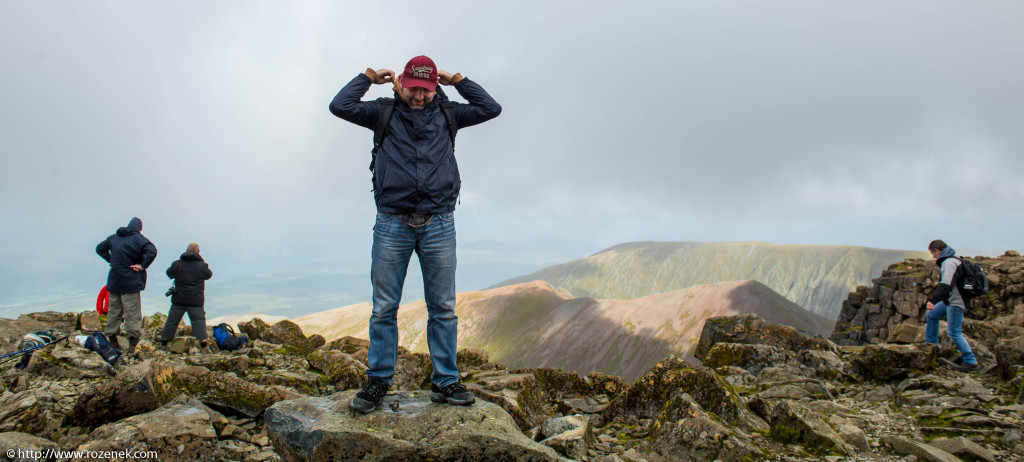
(11, 356)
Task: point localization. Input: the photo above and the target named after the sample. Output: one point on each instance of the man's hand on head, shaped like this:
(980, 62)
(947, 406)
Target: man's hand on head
(380, 76)
(446, 78)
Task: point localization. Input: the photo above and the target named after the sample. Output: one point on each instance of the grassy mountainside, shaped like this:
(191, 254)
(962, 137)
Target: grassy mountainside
(817, 278)
(534, 325)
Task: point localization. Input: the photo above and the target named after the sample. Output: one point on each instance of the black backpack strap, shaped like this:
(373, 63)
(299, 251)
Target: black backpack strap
(380, 129)
(449, 113)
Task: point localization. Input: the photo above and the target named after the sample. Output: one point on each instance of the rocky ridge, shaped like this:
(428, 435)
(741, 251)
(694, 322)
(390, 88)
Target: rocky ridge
(762, 392)
(893, 310)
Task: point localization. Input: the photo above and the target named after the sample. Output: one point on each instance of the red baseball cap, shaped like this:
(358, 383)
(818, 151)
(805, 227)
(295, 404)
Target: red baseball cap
(420, 72)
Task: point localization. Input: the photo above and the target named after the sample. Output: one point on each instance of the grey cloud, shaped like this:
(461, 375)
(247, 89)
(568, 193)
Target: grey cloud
(792, 122)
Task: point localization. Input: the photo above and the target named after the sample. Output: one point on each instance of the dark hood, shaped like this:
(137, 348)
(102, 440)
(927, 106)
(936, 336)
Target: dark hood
(134, 226)
(191, 256)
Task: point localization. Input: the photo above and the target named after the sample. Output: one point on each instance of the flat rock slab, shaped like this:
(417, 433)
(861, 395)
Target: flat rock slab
(405, 426)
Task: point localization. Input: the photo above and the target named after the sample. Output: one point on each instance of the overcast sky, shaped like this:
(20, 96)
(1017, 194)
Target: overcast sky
(883, 124)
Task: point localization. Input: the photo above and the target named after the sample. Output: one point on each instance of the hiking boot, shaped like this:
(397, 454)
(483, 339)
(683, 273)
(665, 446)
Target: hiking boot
(132, 343)
(112, 340)
(967, 367)
(370, 396)
(958, 360)
(453, 393)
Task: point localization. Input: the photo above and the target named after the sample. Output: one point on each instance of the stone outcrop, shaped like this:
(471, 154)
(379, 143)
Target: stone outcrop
(29, 411)
(409, 427)
(751, 329)
(570, 436)
(886, 362)
(140, 389)
(69, 360)
(893, 309)
(181, 429)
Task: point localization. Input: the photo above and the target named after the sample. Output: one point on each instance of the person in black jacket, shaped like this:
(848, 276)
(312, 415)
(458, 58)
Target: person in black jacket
(189, 274)
(416, 185)
(129, 254)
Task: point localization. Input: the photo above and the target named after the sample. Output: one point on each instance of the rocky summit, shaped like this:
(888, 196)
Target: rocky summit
(756, 391)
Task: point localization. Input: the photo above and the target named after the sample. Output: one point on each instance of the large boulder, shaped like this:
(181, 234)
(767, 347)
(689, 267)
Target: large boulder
(290, 335)
(1009, 353)
(571, 436)
(65, 323)
(237, 364)
(531, 396)
(226, 391)
(340, 369)
(793, 422)
(285, 333)
(921, 451)
(885, 362)
(89, 321)
(964, 448)
(69, 360)
(647, 397)
(254, 329)
(180, 430)
(754, 330)
(302, 382)
(139, 389)
(407, 426)
(29, 411)
(752, 358)
(686, 432)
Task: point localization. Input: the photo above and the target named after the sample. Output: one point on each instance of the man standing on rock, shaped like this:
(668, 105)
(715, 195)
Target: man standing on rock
(947, 302)
(129, 254)
(415, 185)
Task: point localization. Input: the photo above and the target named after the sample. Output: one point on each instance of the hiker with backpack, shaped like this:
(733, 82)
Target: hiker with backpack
(415, 186)
(129, 254)
(189, 274)
(949, 301)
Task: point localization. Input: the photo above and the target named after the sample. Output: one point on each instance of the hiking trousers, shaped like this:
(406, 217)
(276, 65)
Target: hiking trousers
(128, 306)
(196, 317)
(954, 328)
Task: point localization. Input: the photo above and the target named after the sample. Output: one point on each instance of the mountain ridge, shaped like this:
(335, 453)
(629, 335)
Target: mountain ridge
(816, 277)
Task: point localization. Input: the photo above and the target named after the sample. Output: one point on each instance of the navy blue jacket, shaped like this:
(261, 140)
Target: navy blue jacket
(123, 249)
(190, 274)
(415, 169)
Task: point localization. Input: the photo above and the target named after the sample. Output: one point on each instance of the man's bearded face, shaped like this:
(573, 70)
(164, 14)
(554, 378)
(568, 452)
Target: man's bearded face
(417, 97)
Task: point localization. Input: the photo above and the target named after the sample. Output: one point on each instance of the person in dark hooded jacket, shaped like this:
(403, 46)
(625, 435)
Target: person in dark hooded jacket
(129, 254)
(189, 274)
(416, 186)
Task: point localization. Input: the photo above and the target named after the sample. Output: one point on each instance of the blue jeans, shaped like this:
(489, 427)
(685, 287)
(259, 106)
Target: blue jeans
(954, 321)
(393, 245)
